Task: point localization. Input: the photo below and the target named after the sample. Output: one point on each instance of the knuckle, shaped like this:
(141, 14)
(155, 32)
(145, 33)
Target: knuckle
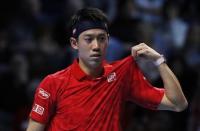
(142, 44)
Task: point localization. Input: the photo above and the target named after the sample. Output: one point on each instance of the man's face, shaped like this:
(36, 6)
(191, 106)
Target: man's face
(91, 45)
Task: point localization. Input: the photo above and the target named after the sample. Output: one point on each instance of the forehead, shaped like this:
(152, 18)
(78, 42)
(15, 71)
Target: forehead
(93, 32)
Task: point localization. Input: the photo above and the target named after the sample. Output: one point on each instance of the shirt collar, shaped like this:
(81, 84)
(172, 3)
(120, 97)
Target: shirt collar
(80, 74)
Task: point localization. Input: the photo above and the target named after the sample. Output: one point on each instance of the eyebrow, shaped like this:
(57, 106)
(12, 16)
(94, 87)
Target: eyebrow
(91, 35)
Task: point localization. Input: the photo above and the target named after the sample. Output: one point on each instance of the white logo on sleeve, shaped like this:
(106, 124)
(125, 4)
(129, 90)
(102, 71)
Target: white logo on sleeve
(38, 109)
(43, 94)
(111, 77)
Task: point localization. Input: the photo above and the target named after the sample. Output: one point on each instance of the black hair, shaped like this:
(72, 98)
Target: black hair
(87, 14)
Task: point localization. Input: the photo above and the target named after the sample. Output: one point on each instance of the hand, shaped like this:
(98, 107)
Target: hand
(144, 50)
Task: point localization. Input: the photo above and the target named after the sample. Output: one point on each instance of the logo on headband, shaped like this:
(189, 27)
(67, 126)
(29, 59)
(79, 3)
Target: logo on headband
(74, 31)
(106, 26)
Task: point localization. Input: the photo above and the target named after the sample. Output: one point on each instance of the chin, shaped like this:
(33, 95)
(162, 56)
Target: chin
(95, 64)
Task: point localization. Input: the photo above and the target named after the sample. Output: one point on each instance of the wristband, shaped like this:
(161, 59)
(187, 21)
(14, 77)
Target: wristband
(159, 61)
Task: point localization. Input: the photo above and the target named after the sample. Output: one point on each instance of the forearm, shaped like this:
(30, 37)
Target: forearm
(173, 91)
(173, 98)
(35, 126)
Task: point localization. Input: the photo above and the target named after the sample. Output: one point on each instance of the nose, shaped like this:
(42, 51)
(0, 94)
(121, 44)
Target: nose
(95, 45)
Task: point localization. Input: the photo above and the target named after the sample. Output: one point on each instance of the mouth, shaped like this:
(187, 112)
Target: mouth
(95, 55)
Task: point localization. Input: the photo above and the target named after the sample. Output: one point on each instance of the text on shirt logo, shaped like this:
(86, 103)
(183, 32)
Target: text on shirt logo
(38, 109)
(43, 94)
(111, 77)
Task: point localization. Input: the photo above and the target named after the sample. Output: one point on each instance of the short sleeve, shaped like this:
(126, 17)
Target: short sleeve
(140, 91)
(44, 101)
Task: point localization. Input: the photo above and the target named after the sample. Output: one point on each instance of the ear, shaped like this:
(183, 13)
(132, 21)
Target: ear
(74, 43)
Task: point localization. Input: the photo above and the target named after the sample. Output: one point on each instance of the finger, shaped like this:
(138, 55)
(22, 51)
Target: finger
(142, 44)
(135, 49)
(142, 52)
(138, 47)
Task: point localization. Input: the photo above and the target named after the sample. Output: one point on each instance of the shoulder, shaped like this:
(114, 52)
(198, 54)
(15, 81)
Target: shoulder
(123, 67)
(52, 81)
(127, 61)
(59, 75)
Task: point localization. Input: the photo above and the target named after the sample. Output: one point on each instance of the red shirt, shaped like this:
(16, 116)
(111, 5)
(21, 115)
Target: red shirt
(71, 100)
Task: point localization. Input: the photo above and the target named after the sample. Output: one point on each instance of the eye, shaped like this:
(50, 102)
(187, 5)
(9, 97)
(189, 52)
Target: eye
(102, 38)
(88, 39)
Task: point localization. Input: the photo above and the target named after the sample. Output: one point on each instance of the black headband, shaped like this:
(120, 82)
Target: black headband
(85, 25)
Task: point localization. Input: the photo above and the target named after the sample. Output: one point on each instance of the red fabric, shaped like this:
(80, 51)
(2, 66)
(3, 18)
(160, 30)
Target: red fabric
(71, 100)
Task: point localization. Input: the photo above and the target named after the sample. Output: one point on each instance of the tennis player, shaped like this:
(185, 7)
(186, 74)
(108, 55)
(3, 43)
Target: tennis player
(89, 95)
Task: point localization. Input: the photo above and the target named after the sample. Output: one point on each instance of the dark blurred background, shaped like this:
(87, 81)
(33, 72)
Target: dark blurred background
(34, 42)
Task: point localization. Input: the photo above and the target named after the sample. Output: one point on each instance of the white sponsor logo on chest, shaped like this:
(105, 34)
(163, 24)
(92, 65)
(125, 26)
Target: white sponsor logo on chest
(111, 77)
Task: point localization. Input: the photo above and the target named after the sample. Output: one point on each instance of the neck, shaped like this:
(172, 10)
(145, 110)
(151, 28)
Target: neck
(91, 71)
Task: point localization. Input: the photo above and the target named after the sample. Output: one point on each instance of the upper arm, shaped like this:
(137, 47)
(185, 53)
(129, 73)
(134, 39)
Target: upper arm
(166, 104)
(35, 126)
(44, 101)
(141, 91)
